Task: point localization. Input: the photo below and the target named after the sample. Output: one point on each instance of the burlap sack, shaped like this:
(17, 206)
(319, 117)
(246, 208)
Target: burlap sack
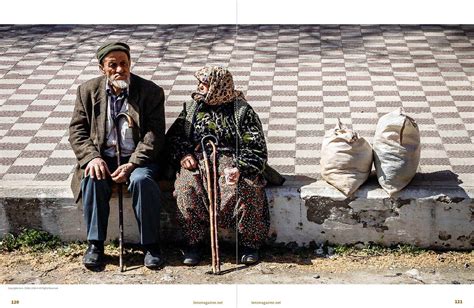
(346, 159)
(396, 150)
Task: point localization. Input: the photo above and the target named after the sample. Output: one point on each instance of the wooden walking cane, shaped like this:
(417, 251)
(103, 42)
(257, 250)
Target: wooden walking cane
(119, 185)
(212, 196)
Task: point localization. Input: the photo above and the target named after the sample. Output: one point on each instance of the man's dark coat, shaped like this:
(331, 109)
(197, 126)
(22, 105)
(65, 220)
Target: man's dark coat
(87, 127)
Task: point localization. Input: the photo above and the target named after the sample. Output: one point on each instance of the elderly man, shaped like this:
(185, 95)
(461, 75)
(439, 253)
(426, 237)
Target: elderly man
(93, 136)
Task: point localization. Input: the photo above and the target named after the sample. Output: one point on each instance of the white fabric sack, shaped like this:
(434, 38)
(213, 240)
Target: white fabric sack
(396, 150)
(346, 159)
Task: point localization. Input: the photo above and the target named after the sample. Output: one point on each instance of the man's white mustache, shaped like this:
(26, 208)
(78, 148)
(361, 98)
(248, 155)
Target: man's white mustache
(117, 76)
(121, 84)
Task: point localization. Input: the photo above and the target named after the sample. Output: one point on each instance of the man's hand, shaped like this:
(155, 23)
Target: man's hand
(189, 162)
(123, 172)
(97, 168)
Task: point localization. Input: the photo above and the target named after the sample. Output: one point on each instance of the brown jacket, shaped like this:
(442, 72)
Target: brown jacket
(87, 127)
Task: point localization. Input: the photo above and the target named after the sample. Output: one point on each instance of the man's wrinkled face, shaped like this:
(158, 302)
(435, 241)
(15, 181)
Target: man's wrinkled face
(116, 66)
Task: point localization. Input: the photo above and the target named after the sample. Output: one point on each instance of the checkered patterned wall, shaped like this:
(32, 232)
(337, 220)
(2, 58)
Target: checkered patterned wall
(298, 78)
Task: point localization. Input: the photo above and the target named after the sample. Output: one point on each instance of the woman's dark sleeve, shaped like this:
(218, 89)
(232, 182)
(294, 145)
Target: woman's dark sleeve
(177, 142)
(252, 148)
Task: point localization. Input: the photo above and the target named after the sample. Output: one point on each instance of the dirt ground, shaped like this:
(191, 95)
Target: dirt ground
(63, 266)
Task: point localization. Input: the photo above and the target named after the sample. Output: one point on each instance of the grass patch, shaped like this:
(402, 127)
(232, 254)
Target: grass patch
(377, 250)
(30, 239)
(72, 249)
(409, 249)
(42, 241)
(343, 249)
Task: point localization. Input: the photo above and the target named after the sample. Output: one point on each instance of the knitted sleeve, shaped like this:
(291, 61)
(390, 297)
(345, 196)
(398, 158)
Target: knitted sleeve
(252, 148)
(177, 141)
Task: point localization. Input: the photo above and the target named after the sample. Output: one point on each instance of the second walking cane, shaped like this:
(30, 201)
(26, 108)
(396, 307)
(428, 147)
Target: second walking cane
(212, 197)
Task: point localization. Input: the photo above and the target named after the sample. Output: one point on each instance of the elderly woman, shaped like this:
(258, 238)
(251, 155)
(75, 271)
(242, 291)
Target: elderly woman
(219, 110)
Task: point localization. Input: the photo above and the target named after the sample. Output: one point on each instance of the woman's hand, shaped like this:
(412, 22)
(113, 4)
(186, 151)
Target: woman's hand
(189, 162)
(232, 176)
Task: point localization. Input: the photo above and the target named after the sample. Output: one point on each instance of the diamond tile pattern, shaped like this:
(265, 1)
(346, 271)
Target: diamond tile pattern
(299, 79)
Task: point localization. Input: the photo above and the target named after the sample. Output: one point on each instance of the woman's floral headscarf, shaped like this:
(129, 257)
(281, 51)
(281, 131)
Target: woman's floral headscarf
(221, 86)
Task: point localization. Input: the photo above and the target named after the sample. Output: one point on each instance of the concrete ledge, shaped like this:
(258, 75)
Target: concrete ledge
(437, 217)
(301, 212)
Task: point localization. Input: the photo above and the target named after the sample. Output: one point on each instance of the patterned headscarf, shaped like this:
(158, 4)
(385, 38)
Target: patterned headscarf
(221, 86)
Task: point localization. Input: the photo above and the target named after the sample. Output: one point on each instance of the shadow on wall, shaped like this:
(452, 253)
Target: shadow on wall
(22, 214)
(430, 184)
(325, 38)
(446, 177)
(87, 38)
(427, 184)
(423, 185)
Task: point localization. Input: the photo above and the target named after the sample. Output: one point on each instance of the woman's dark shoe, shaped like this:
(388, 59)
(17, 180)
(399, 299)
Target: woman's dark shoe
(94, 256)
(192, 255)
(249, 255)
(153, 259)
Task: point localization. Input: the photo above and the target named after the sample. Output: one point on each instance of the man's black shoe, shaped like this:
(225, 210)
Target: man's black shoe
(249, 255)
(153, 259)
(94, 256)
(192, 255)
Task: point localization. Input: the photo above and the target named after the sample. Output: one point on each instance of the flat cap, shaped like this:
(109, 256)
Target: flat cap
(112, 46)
